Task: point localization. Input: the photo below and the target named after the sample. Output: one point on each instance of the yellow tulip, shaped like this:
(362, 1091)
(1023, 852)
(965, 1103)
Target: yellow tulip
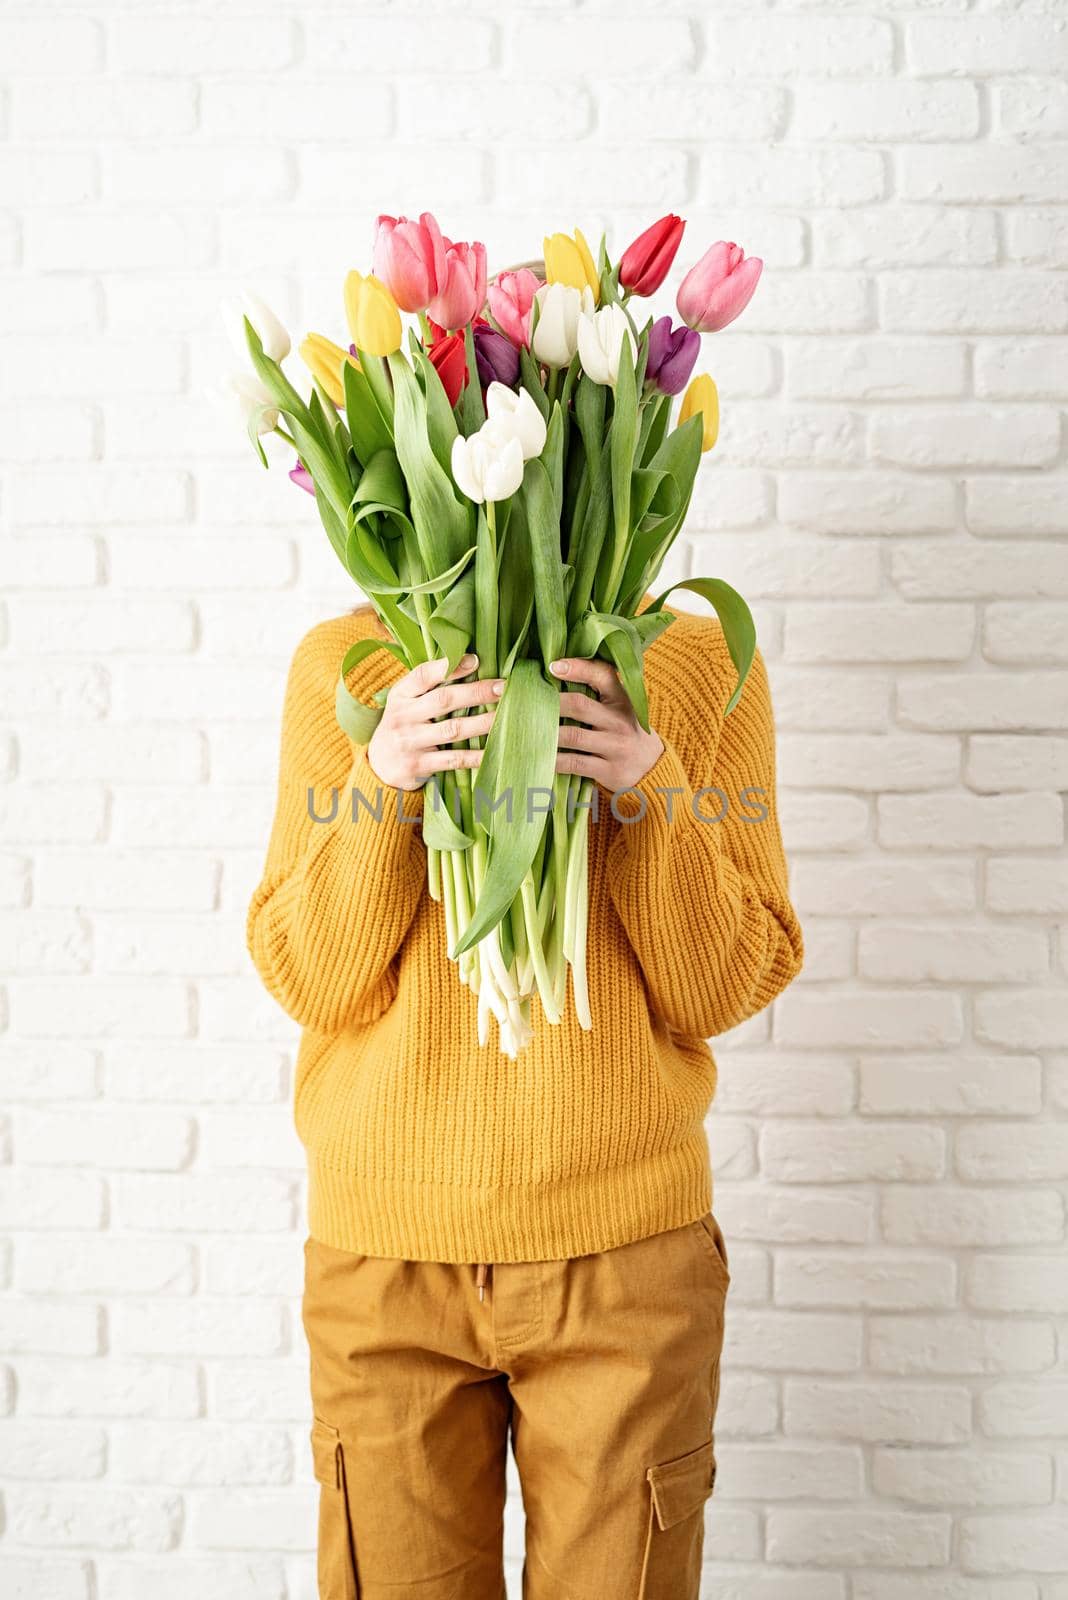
(373, 318)
(701, 396)
(569, 261)
(324, 360)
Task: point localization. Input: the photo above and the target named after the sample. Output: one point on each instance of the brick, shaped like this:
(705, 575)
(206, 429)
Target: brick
(797, 46)
(910, 236)
(879, 631)
(108, 1519)
(894, 110)
(106, 1265)
(60, 45)
(883, 369)
(194, 1073)
(678, 110)
(962, 1478)
(201, 46)
(798, 1153)
(965, 1346)
(1020, 369)
(985, 45)
(1015, 505)
(105, 1137)
(985, 701)
(982, 175)
(37, 1578)
(204, 1203)
(869, 1018)
(1006, 1543)
(111, 1388)
(104, 108)
(42, 941)
(1024, 436)
(100, 1007)
(1031, 884)
(970, 301)
(851, 1279)
(275, 1391)
(971, 821)
(616, 175)
(1018, 1283)
(501, 112)
(31, 1451)
(886, 1414)
(963, 568)
(30, 174)
(179, 1575)
(787, 1217)
(105, 240)
(200, 1454)
(592, 50)
(793, 1341)
(961, 1086)
(777, 1087)
(772, 1472)
(53, 1199)
(52, 1326)
(943, 1586)
(1028, 1019)
(41, 1072)
(1027, 633)
(992, 1151)
(1037, 238)
(791, 176)
(127, 881)
(197, 562)
(999, 762)
(215, 1327)
(810, 302)
(865, 502)
(901, 887)
(42, 814)
(923, 952)
(963, 1218)
(231, 108)
(91, 367)
(191, 175)
(1024, 1410)
(71, 303)
(858, 1538)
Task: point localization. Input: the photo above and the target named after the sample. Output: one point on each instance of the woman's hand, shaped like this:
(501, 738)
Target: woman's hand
(405, 748)
(610, 744)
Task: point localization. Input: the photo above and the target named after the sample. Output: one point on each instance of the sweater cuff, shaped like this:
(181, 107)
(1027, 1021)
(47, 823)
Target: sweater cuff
(657, 804)
(378, 804)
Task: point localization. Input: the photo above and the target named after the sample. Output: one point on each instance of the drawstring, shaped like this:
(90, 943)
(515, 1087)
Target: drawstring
(480, 1278)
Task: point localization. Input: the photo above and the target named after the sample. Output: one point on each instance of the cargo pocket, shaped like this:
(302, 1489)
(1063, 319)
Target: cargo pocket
(674, 1542)
(336, 1557)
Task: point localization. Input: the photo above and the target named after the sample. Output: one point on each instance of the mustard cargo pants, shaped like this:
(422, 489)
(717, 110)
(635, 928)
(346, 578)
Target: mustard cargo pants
(604, 1369)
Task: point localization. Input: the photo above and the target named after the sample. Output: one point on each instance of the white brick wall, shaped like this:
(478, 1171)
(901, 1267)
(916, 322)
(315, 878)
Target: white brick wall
(891, 1144)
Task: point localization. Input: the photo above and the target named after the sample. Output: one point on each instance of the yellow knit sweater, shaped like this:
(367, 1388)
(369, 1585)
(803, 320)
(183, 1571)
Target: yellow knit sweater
(419, 1143)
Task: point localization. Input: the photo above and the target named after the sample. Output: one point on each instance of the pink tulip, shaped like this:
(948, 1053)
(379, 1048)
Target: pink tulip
(511, 301)
(462, 287)
(303, 478)
(409, 258)
(719, 287)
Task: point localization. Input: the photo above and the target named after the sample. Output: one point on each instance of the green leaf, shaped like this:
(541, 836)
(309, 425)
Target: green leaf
(443, 526)
(376, 372)
(452, 624)
(530, 375)
(543, 524)
(358, 720)
(519, 760)
(616, 637)
(440, 418)
(370, 435)
(440, 829)
(736, 620)
(472, 407)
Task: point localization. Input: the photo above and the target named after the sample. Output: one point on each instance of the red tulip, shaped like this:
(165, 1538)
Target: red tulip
(449, 358)
(646, 263)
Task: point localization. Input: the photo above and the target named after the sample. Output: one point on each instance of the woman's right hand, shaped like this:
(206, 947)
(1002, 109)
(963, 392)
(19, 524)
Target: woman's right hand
(405, 748)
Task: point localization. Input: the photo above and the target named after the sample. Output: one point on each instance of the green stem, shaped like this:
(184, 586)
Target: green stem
(542, 976)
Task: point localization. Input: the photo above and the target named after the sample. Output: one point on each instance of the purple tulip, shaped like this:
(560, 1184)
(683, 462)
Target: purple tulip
(303, 478)
(672, 356)
(496, 357)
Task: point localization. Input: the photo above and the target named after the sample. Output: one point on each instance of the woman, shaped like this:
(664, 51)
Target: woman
(518, 1247)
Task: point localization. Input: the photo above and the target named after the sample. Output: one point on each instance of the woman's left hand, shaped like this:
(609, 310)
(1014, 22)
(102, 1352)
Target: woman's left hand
(608, 743)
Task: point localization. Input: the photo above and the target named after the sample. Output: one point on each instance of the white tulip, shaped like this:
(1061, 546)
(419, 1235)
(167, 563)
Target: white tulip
(600, 343)
(241, 394)
(556, 333)
(272, 335)
(520, 414)
(488, 465)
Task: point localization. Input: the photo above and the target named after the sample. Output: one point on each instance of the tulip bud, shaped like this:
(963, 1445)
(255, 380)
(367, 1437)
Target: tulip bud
(519, 415)
(449, 358)
(719, 287)
(409, 258)
(243, 395)
(270, 332)
(560, 307)
(646, 263)
(600, 343)
(568, 261)
(701, 399)
(373, 318)
(303, 478)
(324, 360)
(672, 355)
(488, 465)
(496, 357)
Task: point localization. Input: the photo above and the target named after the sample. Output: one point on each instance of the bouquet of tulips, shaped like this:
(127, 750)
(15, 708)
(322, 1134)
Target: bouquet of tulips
(512, 482)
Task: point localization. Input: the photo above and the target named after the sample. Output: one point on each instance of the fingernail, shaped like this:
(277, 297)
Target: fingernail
(559, 667)
(498, 687)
